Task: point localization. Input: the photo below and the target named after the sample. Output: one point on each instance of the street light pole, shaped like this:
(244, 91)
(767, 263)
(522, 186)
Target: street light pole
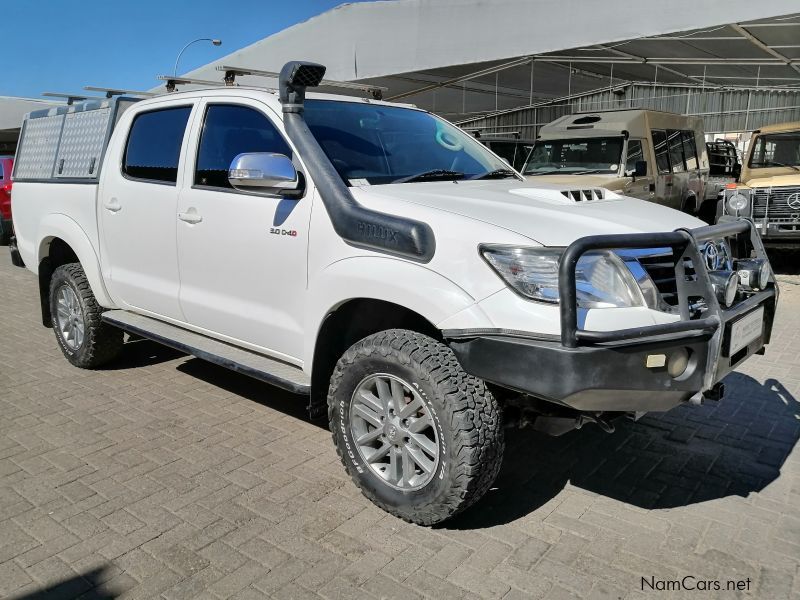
(177, 60)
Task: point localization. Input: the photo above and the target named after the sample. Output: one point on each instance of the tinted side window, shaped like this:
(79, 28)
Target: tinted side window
(154, 144)
(690, 150)
(228, 131)
(635, 154)
(675, 139)
(661, 150)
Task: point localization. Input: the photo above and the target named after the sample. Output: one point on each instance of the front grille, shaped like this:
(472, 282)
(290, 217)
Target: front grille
(661, 269)
(773, 203)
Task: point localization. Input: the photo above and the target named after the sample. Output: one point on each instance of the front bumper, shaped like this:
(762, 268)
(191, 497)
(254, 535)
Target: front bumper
(608, 370)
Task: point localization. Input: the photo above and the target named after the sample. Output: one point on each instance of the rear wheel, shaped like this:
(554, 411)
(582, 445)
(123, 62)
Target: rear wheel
(420, 437)
(84, 339)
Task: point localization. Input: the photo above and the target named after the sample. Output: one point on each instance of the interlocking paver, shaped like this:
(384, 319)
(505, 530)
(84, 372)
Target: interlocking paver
(165, 476)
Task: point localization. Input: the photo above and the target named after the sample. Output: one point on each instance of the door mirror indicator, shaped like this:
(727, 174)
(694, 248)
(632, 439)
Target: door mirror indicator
(263, 171)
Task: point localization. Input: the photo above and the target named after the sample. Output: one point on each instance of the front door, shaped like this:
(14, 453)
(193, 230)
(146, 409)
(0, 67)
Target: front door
(242, 255)
(138, 200)
(638, 186)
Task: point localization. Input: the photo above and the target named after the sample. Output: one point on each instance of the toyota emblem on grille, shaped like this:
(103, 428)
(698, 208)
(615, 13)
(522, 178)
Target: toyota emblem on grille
(794, 201)
(712, 256)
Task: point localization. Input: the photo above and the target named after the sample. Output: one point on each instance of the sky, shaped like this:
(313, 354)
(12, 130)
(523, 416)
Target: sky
(61, 46)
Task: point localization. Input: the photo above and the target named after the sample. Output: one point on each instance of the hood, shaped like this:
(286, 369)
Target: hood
(578, 181)
(539, 212)
(788, 179)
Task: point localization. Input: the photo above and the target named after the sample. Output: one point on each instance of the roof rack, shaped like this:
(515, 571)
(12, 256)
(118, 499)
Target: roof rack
(70, 98)
(111, 92)
(172, 82)
(232, 72)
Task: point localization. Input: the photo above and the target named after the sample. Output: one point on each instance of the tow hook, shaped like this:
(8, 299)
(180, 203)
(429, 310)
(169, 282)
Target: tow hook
(599, 421)
(715, 394)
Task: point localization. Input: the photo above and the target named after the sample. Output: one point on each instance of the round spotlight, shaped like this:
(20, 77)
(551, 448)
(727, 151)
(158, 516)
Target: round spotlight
(677, 363)
(737, 202)
(726, 284)
(763, 275)
(753, 273)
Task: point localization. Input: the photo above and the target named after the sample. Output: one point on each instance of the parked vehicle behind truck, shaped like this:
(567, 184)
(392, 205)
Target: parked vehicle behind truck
(724, 168)
(513, 150)
(383, 263)
(647, 154)
(6, 167)
(768, 191)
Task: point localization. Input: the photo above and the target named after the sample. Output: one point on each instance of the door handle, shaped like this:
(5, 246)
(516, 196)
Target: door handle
(190, 216)
(112, 205)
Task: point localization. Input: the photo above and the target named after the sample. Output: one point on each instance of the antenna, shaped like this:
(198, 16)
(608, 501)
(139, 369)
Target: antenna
(111, 92)
(175, 81)
(71, 98)
(232, 72)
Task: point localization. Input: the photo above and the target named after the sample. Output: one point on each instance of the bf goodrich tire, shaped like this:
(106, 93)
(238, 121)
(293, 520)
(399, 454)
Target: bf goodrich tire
(84, 339)
(420, 437)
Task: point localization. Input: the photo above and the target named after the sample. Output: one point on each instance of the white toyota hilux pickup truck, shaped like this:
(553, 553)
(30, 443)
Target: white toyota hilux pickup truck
(382, 262)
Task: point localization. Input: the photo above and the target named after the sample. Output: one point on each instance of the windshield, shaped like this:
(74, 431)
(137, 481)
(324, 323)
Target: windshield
(575, 156)
(776, 150)
(372, 144)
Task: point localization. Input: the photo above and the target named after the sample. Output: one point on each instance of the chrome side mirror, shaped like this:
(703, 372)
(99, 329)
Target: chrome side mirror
(263, 171)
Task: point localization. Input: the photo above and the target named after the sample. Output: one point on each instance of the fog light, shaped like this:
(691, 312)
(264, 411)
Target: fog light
(726, 284)
(678, 361)
(737, 202)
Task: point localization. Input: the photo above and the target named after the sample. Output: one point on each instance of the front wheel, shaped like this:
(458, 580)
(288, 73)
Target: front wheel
(421, 438)
(84, 339)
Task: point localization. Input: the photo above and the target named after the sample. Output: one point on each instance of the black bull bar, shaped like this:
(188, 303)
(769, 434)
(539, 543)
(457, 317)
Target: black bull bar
(685, 244)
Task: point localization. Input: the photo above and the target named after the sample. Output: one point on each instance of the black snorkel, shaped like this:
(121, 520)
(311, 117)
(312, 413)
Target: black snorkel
(355, 224)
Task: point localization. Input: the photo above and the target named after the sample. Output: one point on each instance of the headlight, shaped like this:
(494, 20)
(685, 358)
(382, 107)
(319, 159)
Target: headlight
(737, 202)
(602, 279)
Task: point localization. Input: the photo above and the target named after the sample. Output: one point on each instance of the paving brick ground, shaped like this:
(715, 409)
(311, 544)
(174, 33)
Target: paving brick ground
(163, 476)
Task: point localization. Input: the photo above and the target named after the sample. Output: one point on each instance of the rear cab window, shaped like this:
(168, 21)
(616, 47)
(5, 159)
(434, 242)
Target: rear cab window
(153, 149)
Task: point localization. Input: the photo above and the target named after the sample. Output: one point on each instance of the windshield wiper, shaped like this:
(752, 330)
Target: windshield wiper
(774, 163)
(550, 172)
(496, 174)
(433, 174)
(585, 172)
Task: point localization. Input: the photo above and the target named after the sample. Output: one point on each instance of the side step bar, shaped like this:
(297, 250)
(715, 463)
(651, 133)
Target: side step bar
(258, 366)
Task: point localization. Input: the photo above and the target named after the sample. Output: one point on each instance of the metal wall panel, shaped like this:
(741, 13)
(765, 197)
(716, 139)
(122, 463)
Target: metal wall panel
(722, 110)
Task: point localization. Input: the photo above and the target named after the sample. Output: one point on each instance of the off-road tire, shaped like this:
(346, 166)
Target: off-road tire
(468, 417)
(102, 343)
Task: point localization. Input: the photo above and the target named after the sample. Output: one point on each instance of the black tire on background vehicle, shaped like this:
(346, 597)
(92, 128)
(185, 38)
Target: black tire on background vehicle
(84, 339)
(420, 437)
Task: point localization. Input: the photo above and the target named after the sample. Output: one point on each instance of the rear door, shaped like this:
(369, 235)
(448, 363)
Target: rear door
(137, 208)
(665, 192)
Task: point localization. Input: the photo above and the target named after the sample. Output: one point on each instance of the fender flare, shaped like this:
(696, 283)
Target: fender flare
(56, 225)
(411, 285)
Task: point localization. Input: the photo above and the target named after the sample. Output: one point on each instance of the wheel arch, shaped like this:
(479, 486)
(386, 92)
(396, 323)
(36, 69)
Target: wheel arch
(62, 241)
(348, 302)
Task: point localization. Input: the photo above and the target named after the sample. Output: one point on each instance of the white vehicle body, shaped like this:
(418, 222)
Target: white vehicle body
(143, 258)
(299, 272)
